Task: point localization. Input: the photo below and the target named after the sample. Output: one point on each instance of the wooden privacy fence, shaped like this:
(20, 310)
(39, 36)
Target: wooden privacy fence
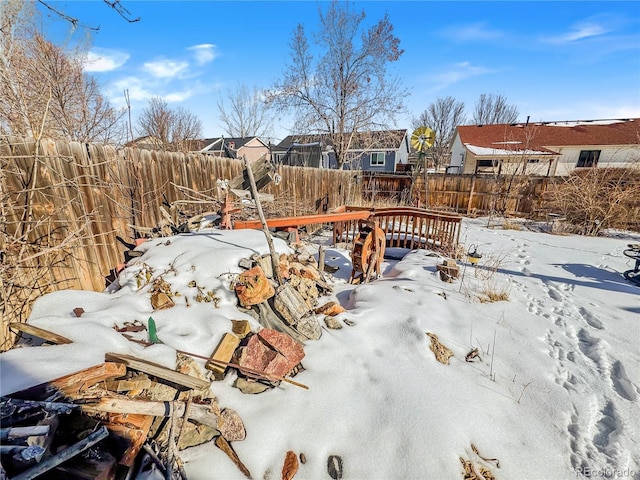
(465, 194)
(63, 204)
(405, 227)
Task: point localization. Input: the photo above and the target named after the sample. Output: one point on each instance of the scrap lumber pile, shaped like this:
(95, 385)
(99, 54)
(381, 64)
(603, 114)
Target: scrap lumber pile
(128, 416)
(113, 420)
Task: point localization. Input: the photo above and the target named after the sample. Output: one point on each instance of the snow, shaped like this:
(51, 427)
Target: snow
(584, 122)
(477, 150)
(554, 394)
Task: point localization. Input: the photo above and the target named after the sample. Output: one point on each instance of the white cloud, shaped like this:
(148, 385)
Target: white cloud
(178, 96)
(104, 60)
(458, 72)
(203, 53)
(165, 68)
(471, 32)
(138, 90)
(579, 32)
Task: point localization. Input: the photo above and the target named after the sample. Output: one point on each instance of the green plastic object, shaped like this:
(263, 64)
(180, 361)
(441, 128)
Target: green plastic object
(153, 332)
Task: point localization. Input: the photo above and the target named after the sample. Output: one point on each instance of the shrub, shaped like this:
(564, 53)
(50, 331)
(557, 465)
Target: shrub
(598, 198)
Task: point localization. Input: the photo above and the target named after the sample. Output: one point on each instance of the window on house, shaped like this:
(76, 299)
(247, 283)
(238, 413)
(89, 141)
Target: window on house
(487, 163)
(588, 158)
(377, 159)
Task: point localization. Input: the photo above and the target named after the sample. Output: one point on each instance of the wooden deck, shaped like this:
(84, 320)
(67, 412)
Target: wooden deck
(405, 227)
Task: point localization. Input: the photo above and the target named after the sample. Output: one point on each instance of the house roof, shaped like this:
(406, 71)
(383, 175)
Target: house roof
(542, 138)
(215, 144)
(377, 140)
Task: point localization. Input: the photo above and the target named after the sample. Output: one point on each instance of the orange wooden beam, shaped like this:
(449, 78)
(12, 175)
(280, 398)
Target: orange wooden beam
(303, 220)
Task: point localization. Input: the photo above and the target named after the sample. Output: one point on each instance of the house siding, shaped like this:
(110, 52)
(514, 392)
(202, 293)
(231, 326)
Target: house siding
(389, 162)
(610, 156)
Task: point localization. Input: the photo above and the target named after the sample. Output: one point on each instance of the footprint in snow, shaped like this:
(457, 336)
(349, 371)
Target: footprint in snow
(590, 318)
(621, 383)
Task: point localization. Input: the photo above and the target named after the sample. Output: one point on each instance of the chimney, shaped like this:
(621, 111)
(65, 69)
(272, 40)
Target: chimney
(527, 120)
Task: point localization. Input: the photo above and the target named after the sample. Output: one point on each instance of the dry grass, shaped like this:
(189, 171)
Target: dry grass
(490, 294)
(487, 285)
(509, 225)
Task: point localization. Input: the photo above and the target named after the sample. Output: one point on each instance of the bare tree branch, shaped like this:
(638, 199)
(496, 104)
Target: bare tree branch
(493, 109)
(122, 11)
(342, 87)
(441, 116)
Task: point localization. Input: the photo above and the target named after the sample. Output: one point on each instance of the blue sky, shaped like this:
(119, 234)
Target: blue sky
(573, 60)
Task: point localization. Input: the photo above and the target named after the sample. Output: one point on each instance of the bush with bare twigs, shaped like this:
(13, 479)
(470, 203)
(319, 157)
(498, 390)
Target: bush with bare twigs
(598, 198)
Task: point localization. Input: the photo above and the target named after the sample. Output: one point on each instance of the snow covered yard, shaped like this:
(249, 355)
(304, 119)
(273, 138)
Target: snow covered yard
(552, 394)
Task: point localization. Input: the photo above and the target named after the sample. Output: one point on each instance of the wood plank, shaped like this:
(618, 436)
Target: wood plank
(204, 414)
(133, 429)
(72, 385)
(223, 353)
(303, 220)
(40, 333)
(158, 371)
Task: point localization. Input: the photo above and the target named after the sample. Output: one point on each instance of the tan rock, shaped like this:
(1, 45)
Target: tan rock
(330, 308)
(231, 426)
(241, 328)
(253, 287)
(332, 323)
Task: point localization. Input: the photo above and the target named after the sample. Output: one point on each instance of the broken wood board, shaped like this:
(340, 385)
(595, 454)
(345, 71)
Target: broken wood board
(72, 385)
(262, 170)
(159, 371)
(223, 353)
(132, 430)
(40, 333)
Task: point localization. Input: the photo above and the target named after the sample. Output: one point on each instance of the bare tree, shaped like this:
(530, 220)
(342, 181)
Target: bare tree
(44, 91)
(442, 116)
(173, 129)
(342, 87)
(114, 4)
(493, 109)
(245, 113)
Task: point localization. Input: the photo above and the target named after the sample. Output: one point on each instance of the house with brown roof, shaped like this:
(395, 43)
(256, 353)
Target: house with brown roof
(378, 151)
(545, 148)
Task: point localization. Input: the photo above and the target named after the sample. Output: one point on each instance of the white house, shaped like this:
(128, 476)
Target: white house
(545, 148)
